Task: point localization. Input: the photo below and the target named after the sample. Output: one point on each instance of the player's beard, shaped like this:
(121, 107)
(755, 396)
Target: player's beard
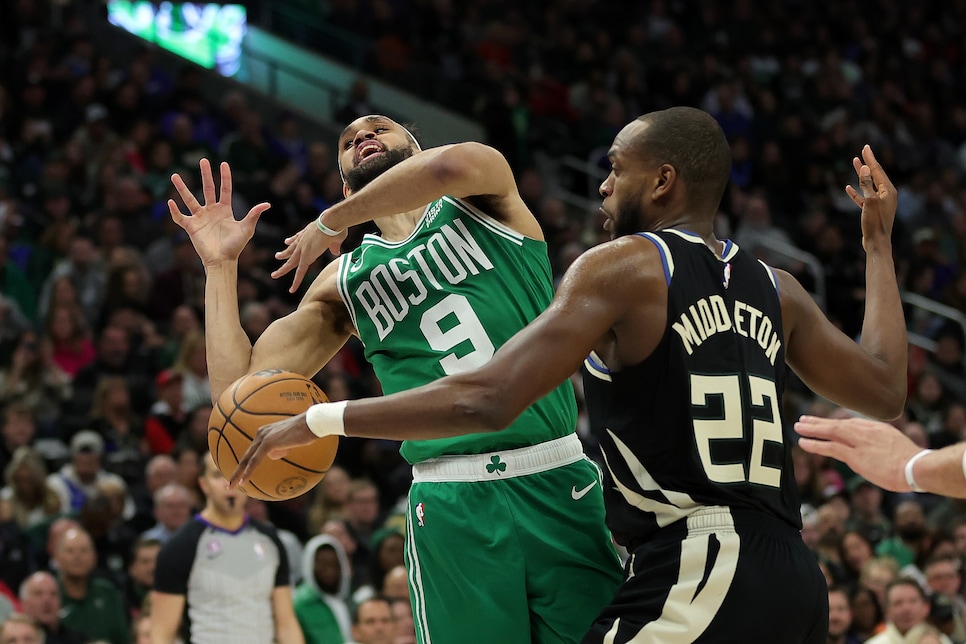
(359, 177)
(628, 216)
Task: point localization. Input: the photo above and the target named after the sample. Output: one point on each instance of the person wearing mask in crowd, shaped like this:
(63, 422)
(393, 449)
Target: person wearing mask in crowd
(40, 598)
(222, 577)
(634, 306)
(463, 197)
(911, 537)
(321, 599)
(91, 605)
(907, 610)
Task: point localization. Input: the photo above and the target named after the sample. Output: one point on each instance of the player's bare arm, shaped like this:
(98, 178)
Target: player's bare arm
(869, 377)
(599, 294)
(300, 342)
(473, 171)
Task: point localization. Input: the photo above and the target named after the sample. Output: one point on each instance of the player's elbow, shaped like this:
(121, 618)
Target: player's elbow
(463, 169)
(485, 409)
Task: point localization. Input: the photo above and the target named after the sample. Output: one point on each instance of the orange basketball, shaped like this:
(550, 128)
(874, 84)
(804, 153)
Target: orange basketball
(259, 399)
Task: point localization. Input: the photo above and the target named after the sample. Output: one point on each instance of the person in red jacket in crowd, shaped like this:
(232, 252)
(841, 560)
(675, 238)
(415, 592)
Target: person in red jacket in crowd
(167, 417)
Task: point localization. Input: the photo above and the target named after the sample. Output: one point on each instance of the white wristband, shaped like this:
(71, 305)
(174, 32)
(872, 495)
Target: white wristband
(964, 464)
(910, 479)
(325, 230)
(326, 419)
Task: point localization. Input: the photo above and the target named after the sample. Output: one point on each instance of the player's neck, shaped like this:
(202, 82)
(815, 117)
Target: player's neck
(226, 521)
(399, 227)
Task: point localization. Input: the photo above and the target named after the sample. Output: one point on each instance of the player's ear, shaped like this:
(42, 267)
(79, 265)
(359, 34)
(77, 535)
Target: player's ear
(346, 191)
(665, 181)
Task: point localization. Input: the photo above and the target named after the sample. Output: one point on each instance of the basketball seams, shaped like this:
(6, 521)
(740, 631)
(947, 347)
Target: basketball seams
(241, 393)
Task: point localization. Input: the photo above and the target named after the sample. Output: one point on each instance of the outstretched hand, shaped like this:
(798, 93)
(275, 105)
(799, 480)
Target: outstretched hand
(303, 248)
(874, 450)
(878, 201)
(215, 233)
(272, 441)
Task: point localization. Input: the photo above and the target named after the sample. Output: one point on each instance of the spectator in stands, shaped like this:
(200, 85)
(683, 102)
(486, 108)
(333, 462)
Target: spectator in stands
(944, 577)
(373, 623)
(112, 416)
(907, 610)
(115, 357)
(35, 380)
(329, 497)
(402, 613)
(40, 599)
(321, 599)
(856, 552)
(79, 478)
(911, 536)
(361, 520)
(167, 417)
(18, 431)
(91, 605)
(20, 629)
(867, 517)
(868, 618)
(87, 274)
(839, 617)
(160, 470)
(172, 509)
(27, 498)
(140, 574)
(191, 363)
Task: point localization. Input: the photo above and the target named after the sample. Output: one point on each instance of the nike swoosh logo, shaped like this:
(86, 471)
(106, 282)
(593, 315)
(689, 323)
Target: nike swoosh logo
(576, 494)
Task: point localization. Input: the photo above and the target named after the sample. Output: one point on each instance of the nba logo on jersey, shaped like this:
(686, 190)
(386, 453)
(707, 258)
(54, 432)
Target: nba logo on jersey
(420, 514)
(726, 277)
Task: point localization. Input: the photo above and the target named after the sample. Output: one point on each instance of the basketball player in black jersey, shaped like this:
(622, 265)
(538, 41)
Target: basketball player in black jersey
(688, 338)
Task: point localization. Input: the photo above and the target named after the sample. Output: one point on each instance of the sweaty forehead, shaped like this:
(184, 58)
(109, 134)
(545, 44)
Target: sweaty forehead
(371, 119)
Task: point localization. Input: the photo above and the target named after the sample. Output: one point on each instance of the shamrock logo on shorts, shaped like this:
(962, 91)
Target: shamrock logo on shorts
(496, 465)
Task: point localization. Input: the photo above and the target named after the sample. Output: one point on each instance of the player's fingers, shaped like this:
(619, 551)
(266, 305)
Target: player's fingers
(225, 184)
(186, 196)
(176, 214)
(854, 196)
(336, 247)
(299, 274)
(278, 453)
(252, 217)
(244, 467)
(879, 175)
(865, 182)
(824, 448)
(287, 267)
(207, 181)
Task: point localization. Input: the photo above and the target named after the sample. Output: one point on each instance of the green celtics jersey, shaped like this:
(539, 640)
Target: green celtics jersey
(441, 302)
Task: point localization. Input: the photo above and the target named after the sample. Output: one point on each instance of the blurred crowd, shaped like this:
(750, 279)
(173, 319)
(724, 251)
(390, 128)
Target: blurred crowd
(104, 396)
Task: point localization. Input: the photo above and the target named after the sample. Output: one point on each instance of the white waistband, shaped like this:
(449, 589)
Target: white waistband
(505, 464)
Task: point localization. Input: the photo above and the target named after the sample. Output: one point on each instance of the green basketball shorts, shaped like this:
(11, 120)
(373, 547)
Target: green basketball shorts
(509, 546)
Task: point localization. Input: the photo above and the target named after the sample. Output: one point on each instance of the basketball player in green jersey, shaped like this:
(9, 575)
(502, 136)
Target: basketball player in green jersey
(506, 539)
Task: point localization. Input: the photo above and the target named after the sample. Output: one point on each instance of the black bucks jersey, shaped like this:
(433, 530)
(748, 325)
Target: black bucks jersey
(698, 422)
